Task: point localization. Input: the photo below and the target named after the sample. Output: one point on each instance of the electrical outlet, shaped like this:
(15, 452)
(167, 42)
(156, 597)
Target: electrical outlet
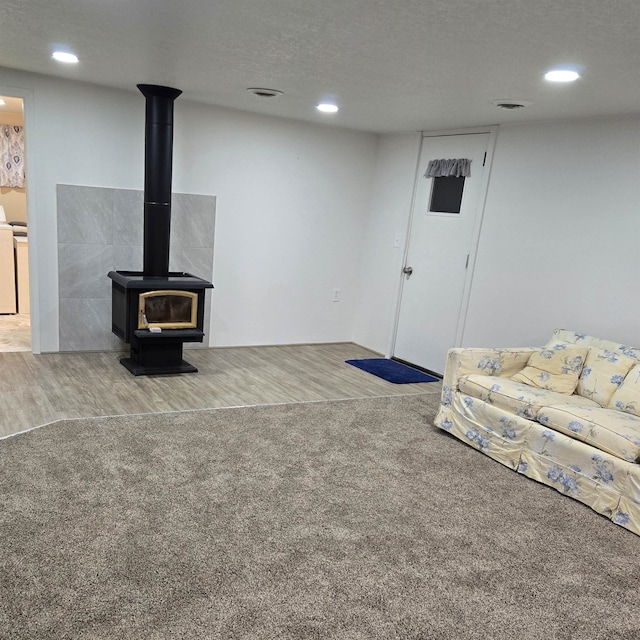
(336, 295)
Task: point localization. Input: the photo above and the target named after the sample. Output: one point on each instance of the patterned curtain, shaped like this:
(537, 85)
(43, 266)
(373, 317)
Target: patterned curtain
(459, 167)
(12, 156)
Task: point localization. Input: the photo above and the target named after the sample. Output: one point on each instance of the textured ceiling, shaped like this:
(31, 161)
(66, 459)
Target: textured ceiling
(394, 65)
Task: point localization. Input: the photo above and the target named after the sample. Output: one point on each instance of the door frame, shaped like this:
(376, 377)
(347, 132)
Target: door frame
(27, 97)
(492, 130)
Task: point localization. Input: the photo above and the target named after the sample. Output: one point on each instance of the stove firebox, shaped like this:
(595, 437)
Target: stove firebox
(156, 341)
(154, 310)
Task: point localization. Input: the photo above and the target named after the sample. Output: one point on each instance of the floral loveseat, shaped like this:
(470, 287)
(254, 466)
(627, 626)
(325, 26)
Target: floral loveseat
(566, 415)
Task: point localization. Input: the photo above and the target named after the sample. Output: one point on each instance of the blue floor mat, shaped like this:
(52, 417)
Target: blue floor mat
(392, 371)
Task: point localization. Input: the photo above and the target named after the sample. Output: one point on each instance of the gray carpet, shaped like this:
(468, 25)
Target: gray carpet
(350, 520)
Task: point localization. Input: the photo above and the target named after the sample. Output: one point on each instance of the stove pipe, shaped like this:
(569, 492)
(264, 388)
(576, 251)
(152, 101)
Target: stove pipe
(158, 150)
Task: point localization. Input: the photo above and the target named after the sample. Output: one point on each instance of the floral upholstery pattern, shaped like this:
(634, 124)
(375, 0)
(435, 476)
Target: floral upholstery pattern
(584, 444)
(627, 397)
(575, 469)
(628, 512)
(516, 397)
(602, 374)
(496, 432)
(615, 432)
(555, 368)
(487, 362)
(580, 339)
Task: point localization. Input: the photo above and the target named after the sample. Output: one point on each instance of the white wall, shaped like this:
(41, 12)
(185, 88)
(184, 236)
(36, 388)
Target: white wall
(76, 134)
(559, 243)
(381, 261)
(290, 215)
(291, 203)
(304, 209)
(560, 238)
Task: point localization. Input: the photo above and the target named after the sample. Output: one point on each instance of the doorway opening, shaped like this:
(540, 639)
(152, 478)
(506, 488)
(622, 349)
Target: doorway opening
(15, 312)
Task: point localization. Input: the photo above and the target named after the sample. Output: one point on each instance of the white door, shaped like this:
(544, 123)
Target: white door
(438, 256)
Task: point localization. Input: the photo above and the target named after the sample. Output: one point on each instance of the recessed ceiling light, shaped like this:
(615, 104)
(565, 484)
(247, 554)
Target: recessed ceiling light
(561, 75)
(326, 107)
(264, 93)
(512, 105)
(64, 56)
(2, 102)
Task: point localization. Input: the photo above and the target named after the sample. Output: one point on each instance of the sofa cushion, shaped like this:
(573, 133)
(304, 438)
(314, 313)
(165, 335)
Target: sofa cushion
(602, 374)
(583, 340)
(518, 398)
(615, 432)
(555, 368)
(627, 397)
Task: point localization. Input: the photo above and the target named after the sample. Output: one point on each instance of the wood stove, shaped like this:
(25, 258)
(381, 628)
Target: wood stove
(154, 310)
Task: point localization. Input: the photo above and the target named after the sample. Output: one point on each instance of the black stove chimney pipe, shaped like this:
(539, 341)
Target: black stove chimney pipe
(158, 150)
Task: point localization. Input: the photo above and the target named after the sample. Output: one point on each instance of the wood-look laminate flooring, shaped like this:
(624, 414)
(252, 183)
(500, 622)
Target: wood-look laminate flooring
(38, 389)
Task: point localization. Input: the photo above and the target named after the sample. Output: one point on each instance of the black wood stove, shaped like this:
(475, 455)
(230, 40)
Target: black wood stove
(154, 310)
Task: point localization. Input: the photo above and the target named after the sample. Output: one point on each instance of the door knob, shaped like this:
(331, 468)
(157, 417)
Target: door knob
(408, 270)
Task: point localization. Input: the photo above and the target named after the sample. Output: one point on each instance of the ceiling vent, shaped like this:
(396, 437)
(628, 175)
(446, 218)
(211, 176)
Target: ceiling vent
(511, 105)
(264, 93)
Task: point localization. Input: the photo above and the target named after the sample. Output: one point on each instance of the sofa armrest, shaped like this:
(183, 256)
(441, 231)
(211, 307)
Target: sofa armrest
(488, 362)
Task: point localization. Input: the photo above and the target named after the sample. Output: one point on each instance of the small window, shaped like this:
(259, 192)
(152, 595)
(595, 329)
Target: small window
(168, 309)
(446, 194)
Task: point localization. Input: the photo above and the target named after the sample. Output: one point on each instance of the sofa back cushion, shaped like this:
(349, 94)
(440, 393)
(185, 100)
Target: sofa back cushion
(555, 368)
(602, 374)
(627, 397)
(583, 340)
